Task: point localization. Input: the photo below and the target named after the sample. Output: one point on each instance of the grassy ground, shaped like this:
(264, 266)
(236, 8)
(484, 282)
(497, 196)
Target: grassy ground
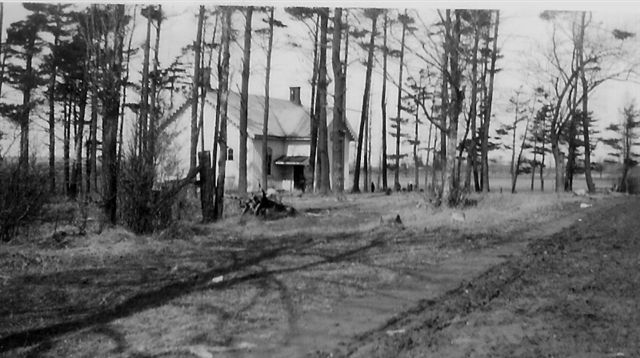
(293, 287)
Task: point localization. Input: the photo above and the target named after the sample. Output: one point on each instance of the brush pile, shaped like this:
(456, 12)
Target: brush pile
(267, 207)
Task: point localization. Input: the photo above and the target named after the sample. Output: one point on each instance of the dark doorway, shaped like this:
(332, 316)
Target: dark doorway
(298, 177)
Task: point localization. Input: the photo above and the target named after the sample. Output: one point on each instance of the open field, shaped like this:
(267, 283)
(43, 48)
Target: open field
(340, 278)
(499, 178)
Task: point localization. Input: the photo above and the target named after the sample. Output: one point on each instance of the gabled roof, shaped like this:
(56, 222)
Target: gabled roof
(286, 119)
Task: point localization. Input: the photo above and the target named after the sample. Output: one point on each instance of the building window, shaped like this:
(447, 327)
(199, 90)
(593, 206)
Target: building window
(269, 160)
(230, 154)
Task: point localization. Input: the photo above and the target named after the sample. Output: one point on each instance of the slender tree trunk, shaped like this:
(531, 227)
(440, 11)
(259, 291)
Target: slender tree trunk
(383, 103)
(416, 164)
(337, 135)
(216, 126)
(573, 124)
(396, 178)
(52, 137)
(365, 108)
(482, 99)
(203, 96)
(512, 169)
(343, 102)
(368, 163)
(23, 161)
(559, 161)
(94, 58)
(66, 144)
(468, 171)
(365, 163)
(203, 93)
(585, 111)
(572, 132)
(144, 152)
(461, 150)
(92, 146)
(124, 91)
(628, 137)
(489, 102)
(76, 175)
(323, 171)
(519, 158)
(120, 130)
(473, 155)
(194, 93)
(541, 174)
(433, 162)
(244, 103)
(205, 158)
(52, 116)
(455, 108)
(223, 89)
(313, 117)
(111, 107)
(444, 93)
(265, 123)
(144, 103)
(543, 154)
(535, 161)
(571, 155)
(153, 88)
(365, 152)
(323, 155)
(626, 150)
(426, 164)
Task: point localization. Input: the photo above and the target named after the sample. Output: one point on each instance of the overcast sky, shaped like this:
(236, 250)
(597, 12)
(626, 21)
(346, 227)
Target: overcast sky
(521, 33)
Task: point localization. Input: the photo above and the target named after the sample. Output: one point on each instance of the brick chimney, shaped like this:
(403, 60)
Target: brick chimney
(294, 95)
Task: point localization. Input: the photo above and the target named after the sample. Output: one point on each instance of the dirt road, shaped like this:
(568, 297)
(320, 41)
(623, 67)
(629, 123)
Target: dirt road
(334, 282)
(573, 294)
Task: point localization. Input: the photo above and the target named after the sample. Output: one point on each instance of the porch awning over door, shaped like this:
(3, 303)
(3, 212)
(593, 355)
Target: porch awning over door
(292, 160)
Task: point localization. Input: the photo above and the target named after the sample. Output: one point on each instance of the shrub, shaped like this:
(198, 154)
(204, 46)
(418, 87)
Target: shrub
(136, 195)
(459, 198)
(144, 205)
(22, 196)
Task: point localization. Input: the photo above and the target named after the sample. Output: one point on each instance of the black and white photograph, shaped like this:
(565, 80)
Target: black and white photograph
(321, 179)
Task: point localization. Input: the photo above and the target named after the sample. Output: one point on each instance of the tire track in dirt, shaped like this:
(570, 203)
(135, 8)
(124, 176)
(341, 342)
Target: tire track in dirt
(138, 302)
(162, 295)
(438, 314)
(414, 327)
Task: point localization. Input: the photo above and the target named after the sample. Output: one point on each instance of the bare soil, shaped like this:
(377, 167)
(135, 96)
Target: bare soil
(341, 279)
